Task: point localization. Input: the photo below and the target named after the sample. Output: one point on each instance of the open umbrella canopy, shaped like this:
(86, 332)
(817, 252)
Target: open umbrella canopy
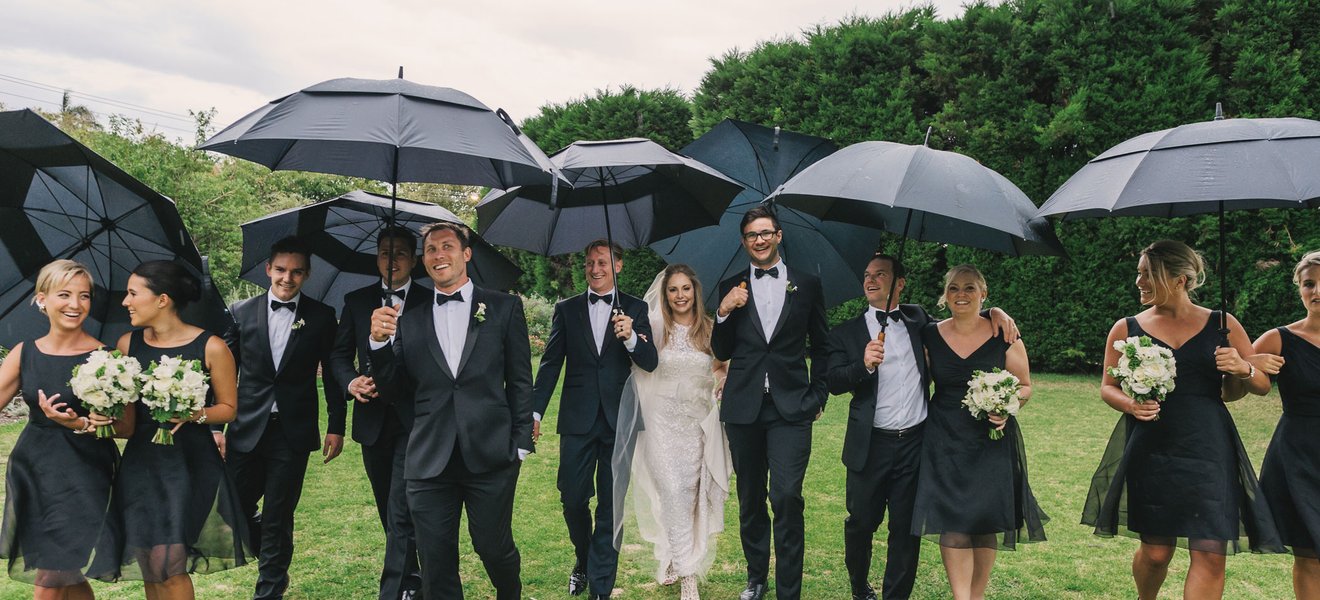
(761, 158)
(632, 190)
(390, 130)
(58, 199)
(342, 235)
(921, 194)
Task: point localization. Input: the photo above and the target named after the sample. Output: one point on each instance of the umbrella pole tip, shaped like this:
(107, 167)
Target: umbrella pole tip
(1219, 111)
(926, 142)
(400, 71)
(776, 144)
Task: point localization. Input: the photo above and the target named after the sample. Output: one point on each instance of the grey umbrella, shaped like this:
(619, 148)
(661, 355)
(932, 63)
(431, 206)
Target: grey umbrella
(1199, 168)
(58, 199)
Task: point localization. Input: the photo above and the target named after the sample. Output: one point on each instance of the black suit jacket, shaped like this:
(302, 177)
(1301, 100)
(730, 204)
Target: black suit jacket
(595, 375)
(801, 331)
(848, 374)
(351, 344)
(291, 385)
(485, 409)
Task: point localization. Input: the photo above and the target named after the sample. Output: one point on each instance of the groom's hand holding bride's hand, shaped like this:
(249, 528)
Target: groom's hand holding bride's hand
(735, 299)
(384, 323)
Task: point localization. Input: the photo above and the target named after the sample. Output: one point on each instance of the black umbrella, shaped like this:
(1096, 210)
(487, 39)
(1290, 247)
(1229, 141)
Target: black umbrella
(921, 194)
(1199, 168)
(342, 235)
(58, 199)
(761, 158)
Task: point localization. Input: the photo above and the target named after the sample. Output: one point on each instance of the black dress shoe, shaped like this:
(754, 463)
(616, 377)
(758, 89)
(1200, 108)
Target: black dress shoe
(754, 591)
(869, 594)
(577, 581)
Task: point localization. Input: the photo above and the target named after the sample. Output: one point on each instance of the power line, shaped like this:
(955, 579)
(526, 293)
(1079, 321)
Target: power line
(111, 101)
(59, 106)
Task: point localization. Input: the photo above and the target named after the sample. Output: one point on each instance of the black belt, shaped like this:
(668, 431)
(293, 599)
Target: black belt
(906, 432)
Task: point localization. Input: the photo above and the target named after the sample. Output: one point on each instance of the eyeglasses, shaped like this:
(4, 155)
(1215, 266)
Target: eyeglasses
(752, 236)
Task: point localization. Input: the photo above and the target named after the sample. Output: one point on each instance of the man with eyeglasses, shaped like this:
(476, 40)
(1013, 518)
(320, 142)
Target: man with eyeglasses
(769, 320)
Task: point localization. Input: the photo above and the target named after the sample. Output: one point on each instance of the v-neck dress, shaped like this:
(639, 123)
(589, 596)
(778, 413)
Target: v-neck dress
(972, 491)
(1185, 478)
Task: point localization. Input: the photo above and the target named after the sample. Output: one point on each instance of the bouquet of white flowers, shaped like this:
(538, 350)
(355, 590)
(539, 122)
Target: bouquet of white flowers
(173, 388)
(993, 393)
(1145, 370)
(106, 383)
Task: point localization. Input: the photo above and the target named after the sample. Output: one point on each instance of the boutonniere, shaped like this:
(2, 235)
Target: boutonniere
(481, 312)
(298, 324)
(790, 288)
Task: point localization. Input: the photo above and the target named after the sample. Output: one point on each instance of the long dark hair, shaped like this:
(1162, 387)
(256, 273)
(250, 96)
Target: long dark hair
(171, 279)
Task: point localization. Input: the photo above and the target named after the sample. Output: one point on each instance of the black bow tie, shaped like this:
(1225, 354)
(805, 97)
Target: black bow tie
(276, 305)
(441, 299)
(895, 314)
(594, 298)
(401, 293)
(772, 271)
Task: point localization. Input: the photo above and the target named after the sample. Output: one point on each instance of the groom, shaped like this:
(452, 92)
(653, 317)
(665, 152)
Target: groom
(466, 361)
(770, 319)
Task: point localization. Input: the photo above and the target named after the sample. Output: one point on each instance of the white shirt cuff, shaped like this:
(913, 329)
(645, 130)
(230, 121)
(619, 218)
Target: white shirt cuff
(374, 345)
(719, 319)
(522, 454)
(630, 343)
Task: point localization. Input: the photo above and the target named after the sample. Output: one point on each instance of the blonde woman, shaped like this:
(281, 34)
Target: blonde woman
(973, 496)
(1290, 474)
(1175, 473)
(58, 482)
(678, 472)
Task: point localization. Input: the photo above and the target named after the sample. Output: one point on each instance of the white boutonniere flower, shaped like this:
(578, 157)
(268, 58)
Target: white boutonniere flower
(481, 312)
(298, 324)
(790, 288)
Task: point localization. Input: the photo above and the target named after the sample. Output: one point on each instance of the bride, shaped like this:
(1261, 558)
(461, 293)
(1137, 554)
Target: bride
(670, 450)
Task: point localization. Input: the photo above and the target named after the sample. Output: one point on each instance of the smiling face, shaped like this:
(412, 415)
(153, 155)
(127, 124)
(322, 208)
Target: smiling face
(876, 281)
(761, 240)
(404, 256)
(680, 295)
(288, 271)
(445, 260)
(600, 278)
(1152, 291)
(1308, 286)
(143, 304)
(964, 294)
(68, 305)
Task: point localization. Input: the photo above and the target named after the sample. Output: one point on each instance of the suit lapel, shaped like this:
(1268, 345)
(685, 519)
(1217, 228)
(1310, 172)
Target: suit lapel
(588, 335)
(293, 336)
(755, 314)
(427, 316)
(470, 341)
(788, 304)
(263, 328)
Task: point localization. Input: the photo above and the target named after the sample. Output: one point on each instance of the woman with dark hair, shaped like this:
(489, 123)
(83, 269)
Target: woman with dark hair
(1290, 475)
(678, 472)
(1175, 472)
(175, 507)
(58, 481)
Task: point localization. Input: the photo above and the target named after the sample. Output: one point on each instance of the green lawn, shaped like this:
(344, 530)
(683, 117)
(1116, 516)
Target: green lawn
(1066, 425)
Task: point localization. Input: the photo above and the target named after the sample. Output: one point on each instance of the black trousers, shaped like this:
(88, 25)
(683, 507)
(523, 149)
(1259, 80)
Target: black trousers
(583, 459)
(888, 481)
(437, 505)
(383, 461)
(272, 473)
(771, 456)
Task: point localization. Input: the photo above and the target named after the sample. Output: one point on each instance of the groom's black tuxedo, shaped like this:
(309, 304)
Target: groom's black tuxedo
(588, 411)
(770, 431)
(468, 427)
(268, 451)
(381, 426)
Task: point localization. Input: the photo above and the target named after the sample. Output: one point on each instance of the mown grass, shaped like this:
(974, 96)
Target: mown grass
(1066, 425)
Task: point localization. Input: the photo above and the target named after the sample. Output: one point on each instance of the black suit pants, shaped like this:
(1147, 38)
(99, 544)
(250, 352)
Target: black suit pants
(889, 480)
(272, 473)
(437, 504)
(384, 465)
(583, 458)
(770, 459)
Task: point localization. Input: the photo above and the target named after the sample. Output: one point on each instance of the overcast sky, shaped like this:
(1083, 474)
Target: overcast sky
(236, 55)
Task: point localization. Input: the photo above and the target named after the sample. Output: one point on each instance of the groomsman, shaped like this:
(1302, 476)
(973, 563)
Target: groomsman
(381, 424)
(279, 340)
(771, 318)
(600, 334)
(466, 358)
(890, 387)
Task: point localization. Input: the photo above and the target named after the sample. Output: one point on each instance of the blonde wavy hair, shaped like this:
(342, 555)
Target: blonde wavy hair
(955, 272)
(55, 275)
(1310, 259)
(1170, 259)
(699, 333)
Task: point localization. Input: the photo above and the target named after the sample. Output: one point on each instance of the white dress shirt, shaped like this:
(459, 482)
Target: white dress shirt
(599, 314)
(279, 326)
(769, 294)
(899, 401)
(451, 324)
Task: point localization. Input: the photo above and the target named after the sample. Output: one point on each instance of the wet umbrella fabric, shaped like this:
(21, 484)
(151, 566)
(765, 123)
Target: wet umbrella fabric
(632, 191)
(761, 158)
(58, 199)
(342, 235)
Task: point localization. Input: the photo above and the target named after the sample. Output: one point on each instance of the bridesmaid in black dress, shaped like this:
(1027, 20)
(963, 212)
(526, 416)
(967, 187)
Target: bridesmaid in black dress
(1183, 479)
(176, 506)
(1290, 475)
(58, 482)
(972, 492)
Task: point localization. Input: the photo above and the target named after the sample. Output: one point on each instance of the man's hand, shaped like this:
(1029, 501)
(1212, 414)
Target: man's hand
(363, 388)
(622, 326)
(874, 354)
(334, 444)
(536, 430)
(384, 322)
(1004, 324)
(219, 442)
(735, 299)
